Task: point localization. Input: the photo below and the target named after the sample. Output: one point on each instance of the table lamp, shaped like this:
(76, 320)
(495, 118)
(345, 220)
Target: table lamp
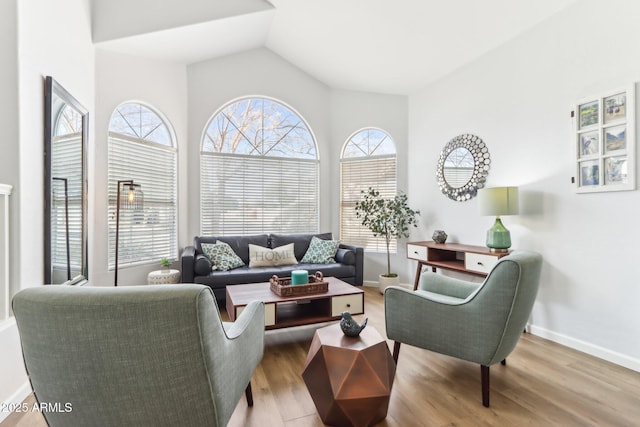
(498, 201)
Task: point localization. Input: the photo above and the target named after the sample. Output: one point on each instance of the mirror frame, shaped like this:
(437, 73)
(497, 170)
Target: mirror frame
(482, 162)
(54, 90)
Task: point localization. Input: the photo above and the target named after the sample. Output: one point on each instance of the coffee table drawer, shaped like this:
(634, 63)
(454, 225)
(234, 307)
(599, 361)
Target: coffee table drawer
(354, 304)
(269, 313)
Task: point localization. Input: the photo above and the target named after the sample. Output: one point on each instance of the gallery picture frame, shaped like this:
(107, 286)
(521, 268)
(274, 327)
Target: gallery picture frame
(604, 141)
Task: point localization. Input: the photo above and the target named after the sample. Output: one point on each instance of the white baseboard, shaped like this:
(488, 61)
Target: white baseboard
(374, 284)
(588, 348)
(15, 400)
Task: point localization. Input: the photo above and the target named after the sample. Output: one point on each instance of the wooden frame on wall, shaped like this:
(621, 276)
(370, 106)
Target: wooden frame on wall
(604, 141)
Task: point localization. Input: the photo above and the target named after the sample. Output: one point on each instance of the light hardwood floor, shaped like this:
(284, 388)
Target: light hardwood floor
(543, 384)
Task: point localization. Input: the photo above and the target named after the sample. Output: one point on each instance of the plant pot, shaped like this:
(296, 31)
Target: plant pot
(384, 282)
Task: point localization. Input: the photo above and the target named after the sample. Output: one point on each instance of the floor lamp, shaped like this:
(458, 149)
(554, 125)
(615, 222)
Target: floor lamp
(130, 197)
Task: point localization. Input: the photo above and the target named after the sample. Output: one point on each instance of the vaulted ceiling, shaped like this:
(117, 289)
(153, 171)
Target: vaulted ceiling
(385, 46)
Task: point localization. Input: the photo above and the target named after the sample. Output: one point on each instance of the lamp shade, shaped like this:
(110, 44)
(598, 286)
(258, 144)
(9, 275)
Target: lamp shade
(498, 201)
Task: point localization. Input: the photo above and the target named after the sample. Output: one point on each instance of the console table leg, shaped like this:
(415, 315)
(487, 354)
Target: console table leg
(418, 273)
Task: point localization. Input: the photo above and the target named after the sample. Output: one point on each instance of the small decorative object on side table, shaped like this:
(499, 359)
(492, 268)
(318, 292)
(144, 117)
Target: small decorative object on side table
(439, 236)
(163, 277)
(349, 326)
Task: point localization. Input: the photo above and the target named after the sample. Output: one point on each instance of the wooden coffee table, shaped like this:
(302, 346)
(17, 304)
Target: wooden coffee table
(284, 312)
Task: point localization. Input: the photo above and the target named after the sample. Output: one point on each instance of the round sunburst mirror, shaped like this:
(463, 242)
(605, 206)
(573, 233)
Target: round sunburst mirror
(463, 167)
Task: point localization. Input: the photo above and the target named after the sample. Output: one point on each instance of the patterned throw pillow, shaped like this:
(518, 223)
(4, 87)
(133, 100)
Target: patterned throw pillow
(321, 251)
(222, 257)
(265, 257)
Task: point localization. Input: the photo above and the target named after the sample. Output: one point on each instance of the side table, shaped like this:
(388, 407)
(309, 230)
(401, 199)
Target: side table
(349, 378)
(163, 277)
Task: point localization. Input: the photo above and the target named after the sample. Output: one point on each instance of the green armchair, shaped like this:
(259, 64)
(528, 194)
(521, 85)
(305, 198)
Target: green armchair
(478, 322)
(136, 356)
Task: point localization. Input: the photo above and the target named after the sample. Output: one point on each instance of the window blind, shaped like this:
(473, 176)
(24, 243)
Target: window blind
(358, 175)
(246, 194)
(150, 233)
(68, 154)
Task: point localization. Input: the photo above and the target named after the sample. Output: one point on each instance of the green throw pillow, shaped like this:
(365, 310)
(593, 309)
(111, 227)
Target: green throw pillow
(321, 251)
(222, 257)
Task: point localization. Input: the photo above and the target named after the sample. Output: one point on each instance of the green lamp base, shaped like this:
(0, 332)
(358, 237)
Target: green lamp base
(498, 237)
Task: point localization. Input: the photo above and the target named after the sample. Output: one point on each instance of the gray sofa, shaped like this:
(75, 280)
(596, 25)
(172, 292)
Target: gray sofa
(196, 267)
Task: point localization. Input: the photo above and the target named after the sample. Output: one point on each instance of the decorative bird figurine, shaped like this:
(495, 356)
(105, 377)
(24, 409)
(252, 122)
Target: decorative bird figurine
(349, 326)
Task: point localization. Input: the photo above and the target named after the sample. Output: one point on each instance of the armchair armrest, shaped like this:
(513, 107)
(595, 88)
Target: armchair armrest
(245, 344)
(187, 264)
(444, 285)
(250, 321)
(359, 278)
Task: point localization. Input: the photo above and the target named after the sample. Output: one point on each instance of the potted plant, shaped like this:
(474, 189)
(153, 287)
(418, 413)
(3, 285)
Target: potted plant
(388, 218)
(165, 263)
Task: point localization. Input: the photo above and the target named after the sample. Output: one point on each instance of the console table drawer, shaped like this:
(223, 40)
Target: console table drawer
(354, 304)
(479, 262)
(417, 252)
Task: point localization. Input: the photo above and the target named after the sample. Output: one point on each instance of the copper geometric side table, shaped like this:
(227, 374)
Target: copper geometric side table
(349, 378)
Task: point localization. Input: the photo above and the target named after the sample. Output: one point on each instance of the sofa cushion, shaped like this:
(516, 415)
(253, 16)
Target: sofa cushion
(265, 257)
(321, 251)
(202, 265)
(239, 244)
(301, 241)
(222, 256)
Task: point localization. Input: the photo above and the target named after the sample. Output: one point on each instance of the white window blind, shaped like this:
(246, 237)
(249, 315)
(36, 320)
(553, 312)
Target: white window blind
(356, 176)
(257, 194)
(143, 151)
(368, 160)
(64, 164)
(258, 171)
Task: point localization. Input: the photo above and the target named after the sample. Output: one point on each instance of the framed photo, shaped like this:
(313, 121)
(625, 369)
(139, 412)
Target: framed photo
(589, 114)
(589, 143)
(604, 141)
(616, 171)
(615, 107)
(615, 138)
(589, 173)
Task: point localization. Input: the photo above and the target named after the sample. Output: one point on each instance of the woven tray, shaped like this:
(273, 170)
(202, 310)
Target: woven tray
(283, 287)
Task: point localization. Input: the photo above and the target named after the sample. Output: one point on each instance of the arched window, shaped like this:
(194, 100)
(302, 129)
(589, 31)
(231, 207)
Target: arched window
(142, 149)
(258, 171)
(368, 160)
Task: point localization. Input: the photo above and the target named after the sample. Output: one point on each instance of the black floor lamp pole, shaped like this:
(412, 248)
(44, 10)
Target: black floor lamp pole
(66, 222)
(132, 200)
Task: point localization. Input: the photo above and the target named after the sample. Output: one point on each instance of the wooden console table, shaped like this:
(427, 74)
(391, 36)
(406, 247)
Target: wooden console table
(477, 260)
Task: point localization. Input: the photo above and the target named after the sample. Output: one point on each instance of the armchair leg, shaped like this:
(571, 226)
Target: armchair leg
(484, 377)
(249, 395)
(396, 351)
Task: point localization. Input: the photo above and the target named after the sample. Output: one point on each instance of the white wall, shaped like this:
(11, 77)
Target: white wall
(52, 39)
(162, 86)
(11, 367)
(258, 72)
(518, 99)
(352, 111)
